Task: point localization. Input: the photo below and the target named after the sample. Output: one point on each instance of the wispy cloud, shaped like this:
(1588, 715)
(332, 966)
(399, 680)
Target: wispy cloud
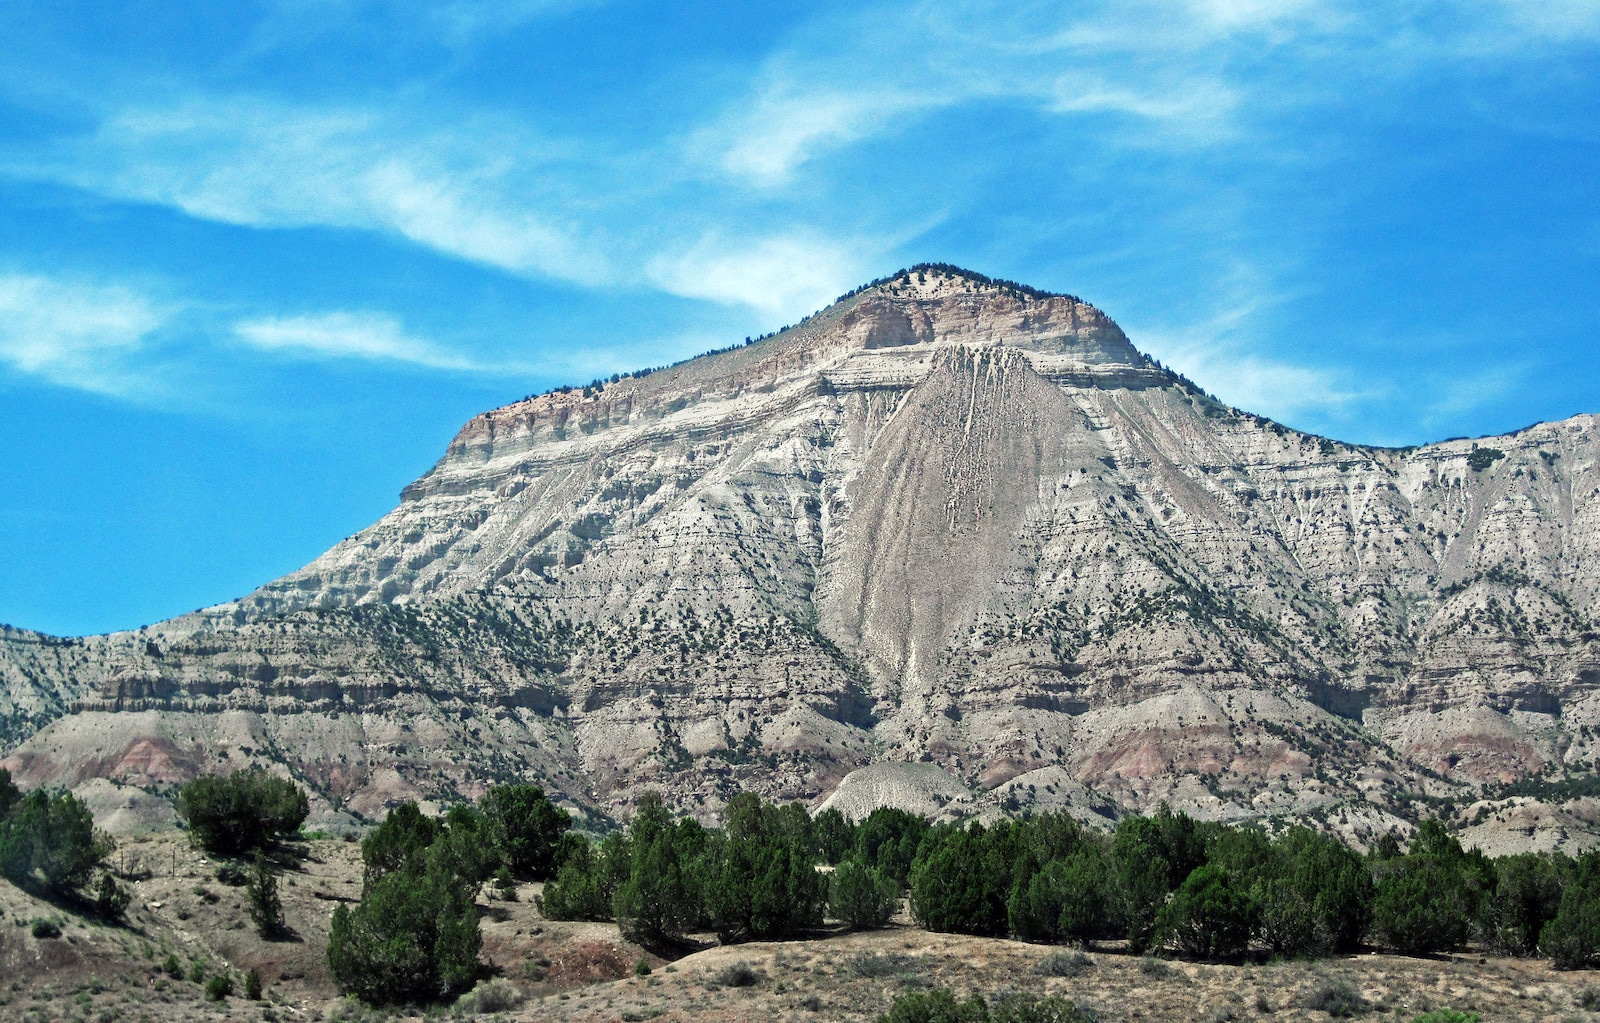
(76, 334)
(470, 191)
(348, 335)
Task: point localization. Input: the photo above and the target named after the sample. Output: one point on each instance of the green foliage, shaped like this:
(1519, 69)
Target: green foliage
(261, 897)
(243, 811)
(1153, 856)
(835, 835)
(1447, 1016)
(9, 794)
(414, 935)
(584, 887)
(664, 894)
(1317, 897)
(1572, 938)
(888, 839)
(252, 985)
(766, 882)
(171, 967)
(1527, 896)
(111, 900)
(50, 838)
(41, 927)
(1069, 900)
(961, 881)
(940, 1006)
(1210, 916)
(861, 896)
(524, 828)
(1427, 900)
(1479, 459)
(936, 1006)
(1422, 907)
(219, 987)
(400, 843)
(1338, 999)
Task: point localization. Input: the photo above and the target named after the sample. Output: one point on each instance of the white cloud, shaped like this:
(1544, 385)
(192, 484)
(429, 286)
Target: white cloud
(779, 275)
(778, 132)
(346, 335)
(75, 334)
(471, 191)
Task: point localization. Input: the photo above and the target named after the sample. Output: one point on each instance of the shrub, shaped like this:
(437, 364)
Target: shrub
(1153, 855)
(1069, 900)
(494, 995)
(1031, 1009)
(524, 828)
(1338, 999)
(740, 974)
(936, 1006)
(172, 968)
(252, 985)
(233, 875)
(1318, 898)
(9, 794)
(586, 884)
(1572, 938)
(43, 928)
(642, 967)
(940, 1006)
(1064, 964)
(261, 896)
(219, 987)
(111, 900)
(414, 935)
(50, 837)
(243, 811)
(1210, 916)
(888, 839)
(1447, 1016)
(401, 842)
(835, 836)
(1423, 905)
(861, 896)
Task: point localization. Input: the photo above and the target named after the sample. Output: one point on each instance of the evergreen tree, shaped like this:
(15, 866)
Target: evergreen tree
(261, 893)
(861, 896)
(525, 829)
(1210, 916)
(243, 811)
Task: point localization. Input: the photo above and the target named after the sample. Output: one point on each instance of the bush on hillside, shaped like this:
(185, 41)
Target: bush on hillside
(50, 838)
(244, 811)
(414, 936)
(665, 894)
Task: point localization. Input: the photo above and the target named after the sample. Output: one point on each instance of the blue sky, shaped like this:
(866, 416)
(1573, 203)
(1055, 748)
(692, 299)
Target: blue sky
(259, 261)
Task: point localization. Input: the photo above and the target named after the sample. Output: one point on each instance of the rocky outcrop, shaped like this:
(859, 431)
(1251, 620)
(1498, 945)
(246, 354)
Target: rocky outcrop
(944, 521)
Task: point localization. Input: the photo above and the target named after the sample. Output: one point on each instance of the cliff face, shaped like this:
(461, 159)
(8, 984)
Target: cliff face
(944, 520)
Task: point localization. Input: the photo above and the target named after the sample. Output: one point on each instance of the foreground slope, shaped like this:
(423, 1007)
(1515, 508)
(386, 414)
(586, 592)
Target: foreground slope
(944, 520)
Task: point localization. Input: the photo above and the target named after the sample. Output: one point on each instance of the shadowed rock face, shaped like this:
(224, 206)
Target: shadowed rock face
(943, 521)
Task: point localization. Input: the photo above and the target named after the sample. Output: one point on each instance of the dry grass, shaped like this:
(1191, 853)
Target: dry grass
(585, 972)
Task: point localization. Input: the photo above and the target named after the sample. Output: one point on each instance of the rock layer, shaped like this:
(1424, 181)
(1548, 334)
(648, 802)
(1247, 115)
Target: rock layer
(944, 520)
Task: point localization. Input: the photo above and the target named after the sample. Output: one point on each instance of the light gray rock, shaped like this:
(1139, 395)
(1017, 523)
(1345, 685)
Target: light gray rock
(944, 520)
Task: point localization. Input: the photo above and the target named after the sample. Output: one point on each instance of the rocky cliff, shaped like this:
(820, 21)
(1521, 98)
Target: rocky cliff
(946, 520)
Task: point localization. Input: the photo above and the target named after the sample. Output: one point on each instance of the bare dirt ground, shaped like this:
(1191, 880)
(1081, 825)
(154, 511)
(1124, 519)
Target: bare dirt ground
(586, 972)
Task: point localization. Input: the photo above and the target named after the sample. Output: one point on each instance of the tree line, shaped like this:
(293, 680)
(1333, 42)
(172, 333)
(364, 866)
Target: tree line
(1163, 883)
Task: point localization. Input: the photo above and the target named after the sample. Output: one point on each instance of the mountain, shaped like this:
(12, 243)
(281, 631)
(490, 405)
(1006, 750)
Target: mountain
(948, 522)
